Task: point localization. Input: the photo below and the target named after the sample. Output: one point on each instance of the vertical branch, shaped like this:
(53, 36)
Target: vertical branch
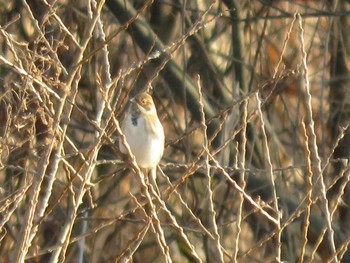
(287, 37)
(219, 257)
(241, 167)
(310, 129)
(101, 104)
(272, 179)
(338, 98)
(308, 197)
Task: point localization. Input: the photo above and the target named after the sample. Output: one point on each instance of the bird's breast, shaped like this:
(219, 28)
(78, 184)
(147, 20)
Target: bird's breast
(146, 140)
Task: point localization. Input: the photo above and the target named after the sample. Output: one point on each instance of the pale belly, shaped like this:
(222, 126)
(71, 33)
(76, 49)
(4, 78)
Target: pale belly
(147, 148)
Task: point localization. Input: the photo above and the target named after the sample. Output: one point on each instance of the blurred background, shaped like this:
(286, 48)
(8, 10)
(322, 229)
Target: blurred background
(253, 97)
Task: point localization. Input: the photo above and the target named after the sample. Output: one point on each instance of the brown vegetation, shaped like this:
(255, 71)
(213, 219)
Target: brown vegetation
(253, 97)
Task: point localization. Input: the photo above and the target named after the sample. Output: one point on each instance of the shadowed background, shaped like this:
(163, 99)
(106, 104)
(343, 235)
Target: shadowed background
(254, 103)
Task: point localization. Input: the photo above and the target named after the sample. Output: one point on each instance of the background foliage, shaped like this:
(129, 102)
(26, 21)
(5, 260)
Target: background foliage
(253, 96)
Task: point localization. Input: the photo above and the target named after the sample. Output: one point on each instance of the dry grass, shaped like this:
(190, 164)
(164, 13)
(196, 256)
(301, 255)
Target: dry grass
(254, 102)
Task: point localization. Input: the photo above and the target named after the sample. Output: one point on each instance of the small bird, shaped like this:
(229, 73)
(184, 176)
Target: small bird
(145, 135)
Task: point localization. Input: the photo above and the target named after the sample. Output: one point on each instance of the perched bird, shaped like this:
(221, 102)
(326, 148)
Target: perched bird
(144, 134)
